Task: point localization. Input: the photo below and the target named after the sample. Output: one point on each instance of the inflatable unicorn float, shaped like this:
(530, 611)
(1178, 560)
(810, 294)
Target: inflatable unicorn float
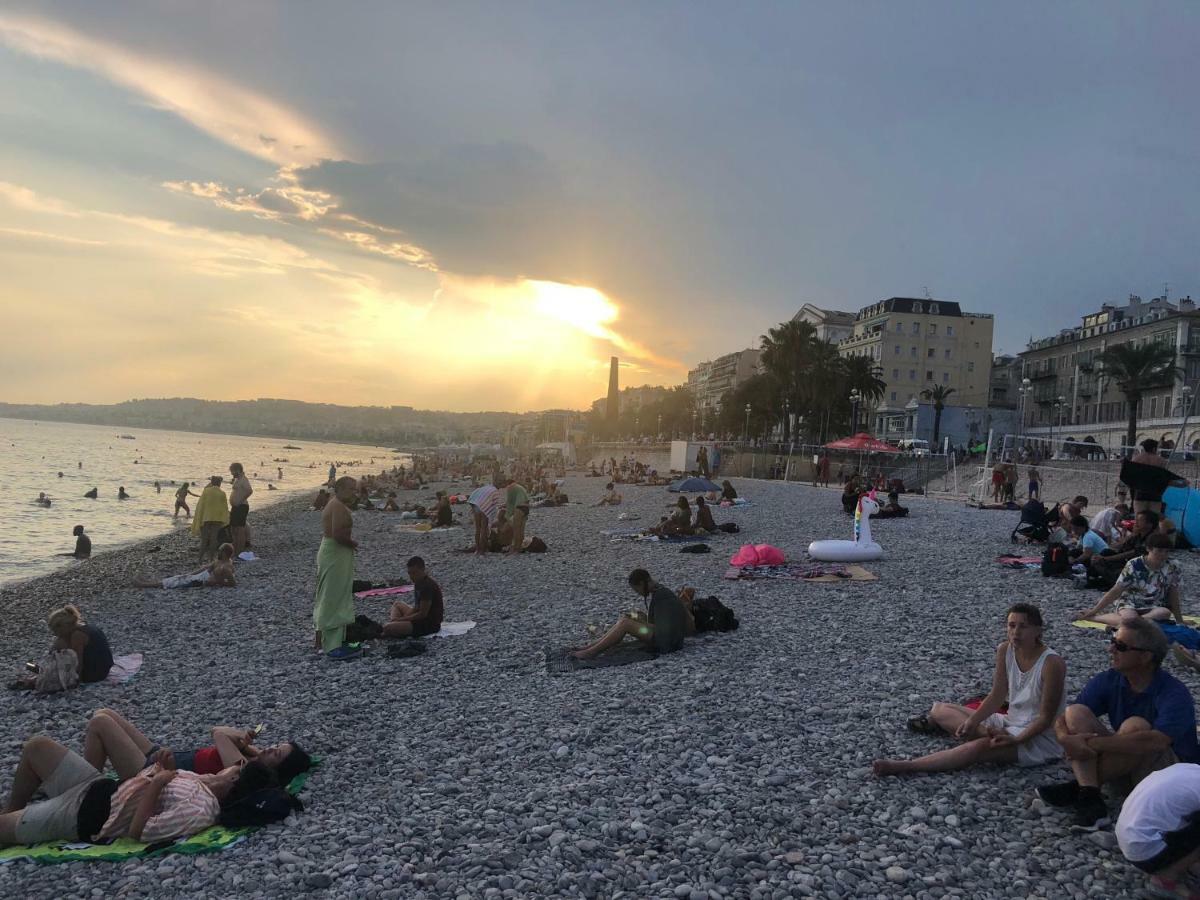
(862, 547)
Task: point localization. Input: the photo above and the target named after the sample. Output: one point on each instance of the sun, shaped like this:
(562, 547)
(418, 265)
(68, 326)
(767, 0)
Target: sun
(584, 308)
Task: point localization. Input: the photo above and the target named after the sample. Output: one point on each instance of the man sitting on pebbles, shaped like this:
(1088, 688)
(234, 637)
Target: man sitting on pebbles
(110, 736)
(667, 622)
(1152, 717)
(423, 619)
(1159, 828)
(219, 574)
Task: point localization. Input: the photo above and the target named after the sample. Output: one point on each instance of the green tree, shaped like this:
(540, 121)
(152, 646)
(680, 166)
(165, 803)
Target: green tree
(1136, 368)
(787, 354)
(938, 394)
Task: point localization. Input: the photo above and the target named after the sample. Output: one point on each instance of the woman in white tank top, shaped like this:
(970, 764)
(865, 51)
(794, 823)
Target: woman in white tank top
(1029, 676)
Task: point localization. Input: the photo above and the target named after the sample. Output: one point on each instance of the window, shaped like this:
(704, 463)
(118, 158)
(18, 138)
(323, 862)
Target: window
(977, 345)
(946, 353)
(897, 349)
(949, 331)
(893, 396)
(912, 374)
(912, 351)
(970, 366)
(899, 325)
(933, 309)
(930, 352)
(932, 328)
(928, 375)
(945, 378)
(1154, 407)
(895, 374)
(916, 327)
(916, 307)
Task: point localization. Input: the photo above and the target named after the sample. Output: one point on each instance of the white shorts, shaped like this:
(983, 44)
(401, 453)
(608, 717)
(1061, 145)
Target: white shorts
(185, 581)
(1037, 751)
(57, 819)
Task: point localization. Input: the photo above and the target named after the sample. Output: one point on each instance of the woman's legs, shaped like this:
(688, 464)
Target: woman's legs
(948, 716)
(972, 753)
(625, 626)
(112, 738)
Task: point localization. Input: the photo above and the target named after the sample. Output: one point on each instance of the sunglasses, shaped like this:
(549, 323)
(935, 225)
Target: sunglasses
(1122, 647)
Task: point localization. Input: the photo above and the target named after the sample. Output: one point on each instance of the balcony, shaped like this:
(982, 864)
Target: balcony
(1042, 375)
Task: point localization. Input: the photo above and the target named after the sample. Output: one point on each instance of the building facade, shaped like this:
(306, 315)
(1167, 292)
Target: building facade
(632, 399)
(831, 325)
(1068, 398)
(1004, 391)
(920, 343)
(711, 380)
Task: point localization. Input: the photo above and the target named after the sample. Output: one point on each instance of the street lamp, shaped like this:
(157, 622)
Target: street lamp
(658, 437)
(1056, 419)
(693, 423)
(746, 430)
(1024, 391)
(787, 417)
(855, 397)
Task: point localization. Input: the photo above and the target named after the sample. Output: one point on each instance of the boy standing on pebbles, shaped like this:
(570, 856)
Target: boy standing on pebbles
(334, 608)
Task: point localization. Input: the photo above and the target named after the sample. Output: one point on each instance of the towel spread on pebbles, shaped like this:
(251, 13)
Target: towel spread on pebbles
(819, 574)
(426, 529)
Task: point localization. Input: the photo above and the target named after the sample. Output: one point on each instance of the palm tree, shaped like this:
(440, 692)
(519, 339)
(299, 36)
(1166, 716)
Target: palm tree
(938, 394)
(1135, 369)
(786, 355)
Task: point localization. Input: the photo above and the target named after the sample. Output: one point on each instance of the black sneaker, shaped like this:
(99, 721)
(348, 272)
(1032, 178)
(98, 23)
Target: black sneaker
(1091, 813)
(1064, 793)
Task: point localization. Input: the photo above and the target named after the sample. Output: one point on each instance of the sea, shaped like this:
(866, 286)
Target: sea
(65, 461)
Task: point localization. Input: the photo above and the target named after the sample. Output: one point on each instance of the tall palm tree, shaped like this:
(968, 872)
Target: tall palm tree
(786, 355)
(1135, 369)
(938, 394)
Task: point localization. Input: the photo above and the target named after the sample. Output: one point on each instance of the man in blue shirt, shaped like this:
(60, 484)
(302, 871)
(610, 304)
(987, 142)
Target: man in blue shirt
(1152, 718)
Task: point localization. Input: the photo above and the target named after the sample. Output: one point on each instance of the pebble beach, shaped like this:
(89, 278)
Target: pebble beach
(739, 767)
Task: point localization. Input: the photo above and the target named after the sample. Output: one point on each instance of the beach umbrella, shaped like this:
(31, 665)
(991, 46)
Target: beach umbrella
(862, 442)
(693, 486)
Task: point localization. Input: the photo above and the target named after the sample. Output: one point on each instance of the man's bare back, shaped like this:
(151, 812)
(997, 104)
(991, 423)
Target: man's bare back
(337, 523)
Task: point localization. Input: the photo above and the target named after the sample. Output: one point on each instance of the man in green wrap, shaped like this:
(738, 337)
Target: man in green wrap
(335, 573)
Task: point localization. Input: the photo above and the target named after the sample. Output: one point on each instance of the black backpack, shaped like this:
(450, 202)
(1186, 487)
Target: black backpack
(263, 807)
(1056, 561)
(729, 527)
(713, 615)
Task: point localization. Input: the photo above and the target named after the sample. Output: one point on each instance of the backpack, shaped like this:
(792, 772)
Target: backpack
(57, 672)
(729, 527)
(263, 807)
(713, 615)
(1056, 561)
(536, 545)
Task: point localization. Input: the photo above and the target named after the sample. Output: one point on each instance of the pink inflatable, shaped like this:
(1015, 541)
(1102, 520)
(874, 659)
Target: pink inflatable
(758, 555)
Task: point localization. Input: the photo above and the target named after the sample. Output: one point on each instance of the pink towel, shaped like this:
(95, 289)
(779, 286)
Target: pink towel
(385, 592)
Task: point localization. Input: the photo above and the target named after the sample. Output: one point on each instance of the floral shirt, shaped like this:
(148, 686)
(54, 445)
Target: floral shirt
(1145, 586)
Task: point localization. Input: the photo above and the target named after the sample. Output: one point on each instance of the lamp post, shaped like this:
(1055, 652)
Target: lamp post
(855, 397)
(658, 437)
(1023, 391)
(693, 423)
(1056, 419)
(787, 418)
(746, 430)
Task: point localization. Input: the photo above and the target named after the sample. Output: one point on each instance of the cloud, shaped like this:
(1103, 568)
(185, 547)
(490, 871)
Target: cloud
(230, 113)
(274, 203)
(28, 200)
(46, 236)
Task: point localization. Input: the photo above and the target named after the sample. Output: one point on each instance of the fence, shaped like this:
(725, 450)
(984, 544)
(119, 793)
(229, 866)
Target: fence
(798, 463)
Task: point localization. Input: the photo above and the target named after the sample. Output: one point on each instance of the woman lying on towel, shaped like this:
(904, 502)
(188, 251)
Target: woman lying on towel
(151, 803)
(1029, 676)
(668, 620)
(219, 574)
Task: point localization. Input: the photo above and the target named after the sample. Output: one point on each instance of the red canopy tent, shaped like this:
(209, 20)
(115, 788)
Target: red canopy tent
(862, 442)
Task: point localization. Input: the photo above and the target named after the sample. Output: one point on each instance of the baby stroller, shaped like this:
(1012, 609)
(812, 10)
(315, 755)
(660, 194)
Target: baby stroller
(1033, 525)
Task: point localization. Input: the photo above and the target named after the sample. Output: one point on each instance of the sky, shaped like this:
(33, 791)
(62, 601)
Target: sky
(473, 206)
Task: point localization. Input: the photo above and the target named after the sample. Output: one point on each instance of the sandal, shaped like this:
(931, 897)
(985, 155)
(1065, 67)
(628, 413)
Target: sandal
(924, 725)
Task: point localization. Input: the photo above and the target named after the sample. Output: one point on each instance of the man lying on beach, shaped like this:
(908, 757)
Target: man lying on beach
(425, 617)
(1151, 724)
(666, 624)
(110, 736)
(217, 574)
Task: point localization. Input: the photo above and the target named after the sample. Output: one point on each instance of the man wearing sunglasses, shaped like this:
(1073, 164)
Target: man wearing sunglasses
(1152, 718)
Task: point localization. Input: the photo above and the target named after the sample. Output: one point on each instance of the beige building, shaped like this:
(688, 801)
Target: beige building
(919, 343)
(710, 381)
(832, 325)
(1069, 399)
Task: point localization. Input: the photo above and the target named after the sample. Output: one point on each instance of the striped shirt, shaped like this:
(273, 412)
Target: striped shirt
(185, 807)
(488, 500)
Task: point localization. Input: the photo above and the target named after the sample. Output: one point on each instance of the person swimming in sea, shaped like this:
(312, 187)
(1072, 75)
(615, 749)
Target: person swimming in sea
(121, 495)
(92, 494)
(42, 500)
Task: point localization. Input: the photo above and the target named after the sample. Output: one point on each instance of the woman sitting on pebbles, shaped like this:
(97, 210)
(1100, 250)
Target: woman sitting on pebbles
(1147, 586)
(1029, 676)
(219, 574)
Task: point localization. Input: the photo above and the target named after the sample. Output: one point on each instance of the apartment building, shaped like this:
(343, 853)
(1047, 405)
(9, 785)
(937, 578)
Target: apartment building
(711, 380)
(1070, 399)
(920, 343)
(832, 325)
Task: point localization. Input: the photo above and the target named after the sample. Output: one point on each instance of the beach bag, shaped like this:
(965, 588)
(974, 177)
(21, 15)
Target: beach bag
(57, 672)
(263, 807)
(1056, 561)
(536, 545)
(711, 614)
(729, 527)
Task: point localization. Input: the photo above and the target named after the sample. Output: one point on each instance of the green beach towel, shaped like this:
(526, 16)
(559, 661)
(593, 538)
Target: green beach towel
(208, 841)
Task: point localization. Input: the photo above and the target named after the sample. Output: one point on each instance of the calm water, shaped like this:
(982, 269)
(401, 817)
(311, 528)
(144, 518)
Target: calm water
(33, 453)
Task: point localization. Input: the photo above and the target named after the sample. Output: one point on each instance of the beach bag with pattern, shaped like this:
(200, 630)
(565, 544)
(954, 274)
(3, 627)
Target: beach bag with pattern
(57, 672)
